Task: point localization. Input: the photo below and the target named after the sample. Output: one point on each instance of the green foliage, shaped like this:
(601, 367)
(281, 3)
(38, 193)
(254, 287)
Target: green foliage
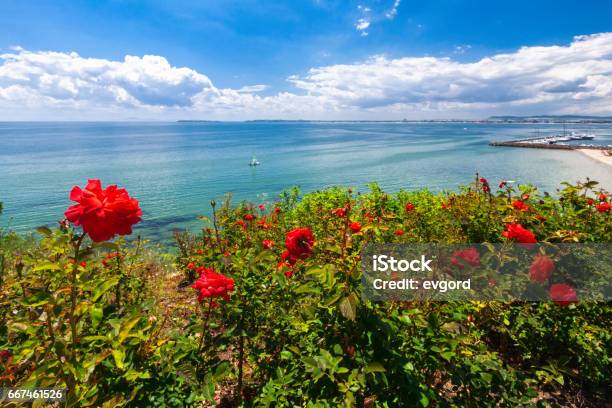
(119, 327)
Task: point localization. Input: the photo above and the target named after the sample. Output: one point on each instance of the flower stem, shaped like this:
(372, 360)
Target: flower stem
(73, 289)
(205, 325)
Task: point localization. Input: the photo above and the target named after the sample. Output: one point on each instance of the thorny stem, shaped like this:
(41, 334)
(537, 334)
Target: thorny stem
(240, 364)
(213, 205)
(205, 324)
(346, 226)
(73, 289)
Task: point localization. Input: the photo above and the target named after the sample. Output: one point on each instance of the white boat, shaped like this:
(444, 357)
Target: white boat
(254, 162)
(581, 136)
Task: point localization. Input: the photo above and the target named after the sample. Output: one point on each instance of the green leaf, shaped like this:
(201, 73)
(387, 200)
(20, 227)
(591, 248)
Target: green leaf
(94, 338)
(309, 361)
(332, 299)
(106, 245)
(104, 287)
(486, 377)
(222, 370)
(118, 355)
(424, 400)
(132, 375)
(294, 349)
(209, 388)
(374, 367)
(38, 299)
(348, 307)
(125, 329)
(44, 230)
(46, 266)
(96, 313)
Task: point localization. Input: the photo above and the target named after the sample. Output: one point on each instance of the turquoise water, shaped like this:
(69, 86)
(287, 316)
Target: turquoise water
(175, 169)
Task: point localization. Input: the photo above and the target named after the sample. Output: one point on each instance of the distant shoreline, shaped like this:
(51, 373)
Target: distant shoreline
(493, 122)
(559, 120)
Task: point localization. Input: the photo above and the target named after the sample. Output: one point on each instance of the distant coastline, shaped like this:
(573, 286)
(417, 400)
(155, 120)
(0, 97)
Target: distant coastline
(538, 119)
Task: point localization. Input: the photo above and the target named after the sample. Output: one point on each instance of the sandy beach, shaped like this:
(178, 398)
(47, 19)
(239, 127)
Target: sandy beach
(597, 155)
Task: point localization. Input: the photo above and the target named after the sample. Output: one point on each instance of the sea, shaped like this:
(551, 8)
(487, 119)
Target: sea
(176, 168)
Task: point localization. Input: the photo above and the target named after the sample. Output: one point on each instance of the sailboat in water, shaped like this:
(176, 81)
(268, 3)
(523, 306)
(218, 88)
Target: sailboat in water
(254, 162)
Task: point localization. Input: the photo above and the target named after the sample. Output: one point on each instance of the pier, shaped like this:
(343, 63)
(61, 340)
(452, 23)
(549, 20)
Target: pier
(552, 142)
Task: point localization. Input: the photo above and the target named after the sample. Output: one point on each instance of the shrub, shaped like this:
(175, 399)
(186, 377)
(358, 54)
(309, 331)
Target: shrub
(264, 308)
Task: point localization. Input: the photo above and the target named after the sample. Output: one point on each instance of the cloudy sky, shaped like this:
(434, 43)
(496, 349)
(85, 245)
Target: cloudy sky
(309, 59)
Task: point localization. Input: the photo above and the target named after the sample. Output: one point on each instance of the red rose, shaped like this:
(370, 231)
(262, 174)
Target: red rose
(191, 266)
(103, 213)
(590, 201)
(485, 185)
(603, 207)
(277, 210)
(262, 207)
(287, 261)
(226, 254)
(241, 223)
(299, 243)
(355, 227)
(471, 256)
(262, 223)
(409, 207)
(399, 232)
(519, 205)
(517, 233)
(541, 268)
(267, 244)
(602, 197)
(5, 355)
(503, 184)
(249, 217)
(339, 212)
(212, 285)
(109, 257)
(562, 294)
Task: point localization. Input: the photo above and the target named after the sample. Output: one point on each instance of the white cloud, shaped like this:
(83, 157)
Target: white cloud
(368, 16)
(392, 12)
(557, 76)
(575, 78)
(252, 88)
(461, 49)
(68, 77)
(364, 22)
(362, 25)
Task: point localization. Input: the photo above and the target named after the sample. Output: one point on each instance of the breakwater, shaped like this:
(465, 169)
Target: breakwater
(540, 143)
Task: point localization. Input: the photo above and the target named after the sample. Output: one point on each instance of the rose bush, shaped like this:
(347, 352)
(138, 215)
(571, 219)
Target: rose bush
(266, 309)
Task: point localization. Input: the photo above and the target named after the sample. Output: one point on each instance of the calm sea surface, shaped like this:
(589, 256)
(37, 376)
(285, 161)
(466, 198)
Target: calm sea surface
(175, 169)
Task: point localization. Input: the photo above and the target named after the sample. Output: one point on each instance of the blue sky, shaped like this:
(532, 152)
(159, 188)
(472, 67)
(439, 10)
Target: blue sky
(237, 44)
